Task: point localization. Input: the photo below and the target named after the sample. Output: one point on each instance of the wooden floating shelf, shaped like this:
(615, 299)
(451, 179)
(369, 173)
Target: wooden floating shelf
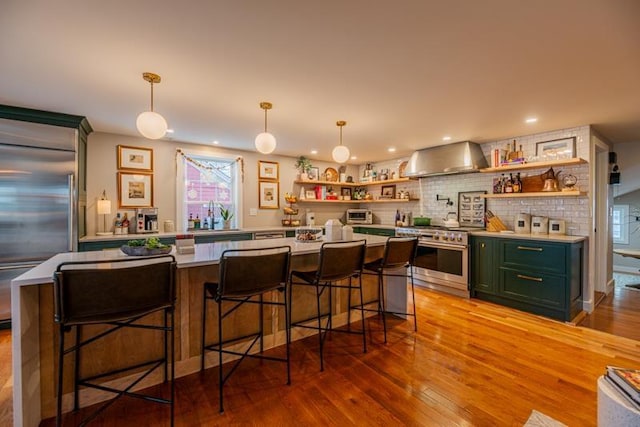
(354, 184)
(536, 165)
(536, 194)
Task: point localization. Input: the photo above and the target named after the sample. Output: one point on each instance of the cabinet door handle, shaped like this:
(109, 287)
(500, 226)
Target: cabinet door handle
(482, 245)
(535, 279)
(528, 248)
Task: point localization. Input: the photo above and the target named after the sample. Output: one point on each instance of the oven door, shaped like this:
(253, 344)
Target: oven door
(442, 264)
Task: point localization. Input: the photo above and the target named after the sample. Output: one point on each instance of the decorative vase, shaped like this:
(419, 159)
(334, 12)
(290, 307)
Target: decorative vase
(304, 176)
(226, 224)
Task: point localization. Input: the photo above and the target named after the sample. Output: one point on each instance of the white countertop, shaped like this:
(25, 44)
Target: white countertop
(205, 254)
(633, 253)
(540, 237)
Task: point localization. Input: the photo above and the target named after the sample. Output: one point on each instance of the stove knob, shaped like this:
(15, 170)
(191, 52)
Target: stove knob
(445, 237)
(459, 237)
(436, 236)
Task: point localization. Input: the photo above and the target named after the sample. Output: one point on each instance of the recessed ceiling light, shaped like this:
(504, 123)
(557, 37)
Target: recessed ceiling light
(531, 120)
(391, 149)
(170, 130)
(446, 138)
(216, 142)
(353, 157)
(314, 151)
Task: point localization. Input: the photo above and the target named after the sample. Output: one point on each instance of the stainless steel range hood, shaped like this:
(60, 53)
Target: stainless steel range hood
(459, 157)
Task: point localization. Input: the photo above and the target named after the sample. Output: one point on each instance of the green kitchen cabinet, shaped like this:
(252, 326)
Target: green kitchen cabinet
(538, 276)
(99, 245)
(375, 231)
(483, 251)
(211, 238)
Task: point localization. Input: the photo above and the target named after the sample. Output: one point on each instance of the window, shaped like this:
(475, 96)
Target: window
(205, 183)
(620, 224)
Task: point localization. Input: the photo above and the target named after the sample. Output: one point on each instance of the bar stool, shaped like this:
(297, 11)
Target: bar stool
(338, 261)
(243, 275)
(399, 252)
(118, 293)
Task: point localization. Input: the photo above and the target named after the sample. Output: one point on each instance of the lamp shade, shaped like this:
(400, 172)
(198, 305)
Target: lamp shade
(151, 125)
(265, 143)
(104, 207)
(340, 153)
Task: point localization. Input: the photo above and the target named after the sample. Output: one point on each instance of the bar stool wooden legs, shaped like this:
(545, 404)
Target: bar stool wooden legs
(244, 277)
(339, 261)
(119, 294)
(399, 252)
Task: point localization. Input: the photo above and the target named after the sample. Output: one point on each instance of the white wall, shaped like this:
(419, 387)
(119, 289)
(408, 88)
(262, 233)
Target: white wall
(629, 163)
(102, 175)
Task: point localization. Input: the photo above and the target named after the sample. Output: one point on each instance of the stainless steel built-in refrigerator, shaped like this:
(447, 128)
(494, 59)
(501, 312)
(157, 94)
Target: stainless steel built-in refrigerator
(38, 199)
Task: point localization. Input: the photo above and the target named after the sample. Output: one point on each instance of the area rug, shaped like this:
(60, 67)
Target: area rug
(538, 419)
(627, 281)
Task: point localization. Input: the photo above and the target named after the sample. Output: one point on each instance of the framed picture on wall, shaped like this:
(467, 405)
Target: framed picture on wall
(135, 158)
(557, 148)
(268, 195)
(135, 190)
(268, 170)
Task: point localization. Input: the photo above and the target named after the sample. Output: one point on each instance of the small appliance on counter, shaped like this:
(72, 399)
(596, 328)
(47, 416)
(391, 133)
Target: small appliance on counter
(359, 216)
(539, 225)
(147, 220)
(310, 218)
(522, 223)
(557, 227)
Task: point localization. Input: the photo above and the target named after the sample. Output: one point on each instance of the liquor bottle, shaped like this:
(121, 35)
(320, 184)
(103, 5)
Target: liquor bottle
(503, 182)
(519, 183)
(125, 224)
(196, 222)
(191, 223)
(516, 184)
(508, 188)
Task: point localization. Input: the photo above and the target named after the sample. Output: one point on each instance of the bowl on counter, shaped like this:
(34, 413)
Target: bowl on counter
(144, 251)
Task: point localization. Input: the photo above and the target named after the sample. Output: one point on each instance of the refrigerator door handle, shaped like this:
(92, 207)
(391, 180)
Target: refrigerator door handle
(70, 216)
(17, 267)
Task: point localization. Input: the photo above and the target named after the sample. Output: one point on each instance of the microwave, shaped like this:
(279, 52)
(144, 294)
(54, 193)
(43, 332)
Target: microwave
(359, 216)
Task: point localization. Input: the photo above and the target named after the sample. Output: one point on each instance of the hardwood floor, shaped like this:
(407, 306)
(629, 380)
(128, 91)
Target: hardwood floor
(470, 363)
(618, 314)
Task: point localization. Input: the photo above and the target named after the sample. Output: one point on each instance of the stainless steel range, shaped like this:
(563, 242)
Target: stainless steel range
(443, 258)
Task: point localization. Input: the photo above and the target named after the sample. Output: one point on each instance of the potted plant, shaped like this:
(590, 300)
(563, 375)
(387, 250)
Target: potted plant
(303, 165)
(226, 215)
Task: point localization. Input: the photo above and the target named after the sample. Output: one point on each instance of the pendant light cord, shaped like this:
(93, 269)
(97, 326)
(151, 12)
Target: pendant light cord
(151, 95)
(265, 120)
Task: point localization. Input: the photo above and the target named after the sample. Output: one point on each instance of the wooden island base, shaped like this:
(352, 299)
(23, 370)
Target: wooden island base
(38, 344)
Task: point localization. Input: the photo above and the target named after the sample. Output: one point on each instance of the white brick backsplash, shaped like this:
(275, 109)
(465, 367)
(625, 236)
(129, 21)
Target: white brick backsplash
(574, 210)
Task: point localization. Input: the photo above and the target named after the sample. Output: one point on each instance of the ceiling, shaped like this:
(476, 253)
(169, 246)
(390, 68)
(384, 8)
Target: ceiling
(402, 74)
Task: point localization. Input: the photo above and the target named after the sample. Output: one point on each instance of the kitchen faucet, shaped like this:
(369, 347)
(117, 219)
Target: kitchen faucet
(211, 215)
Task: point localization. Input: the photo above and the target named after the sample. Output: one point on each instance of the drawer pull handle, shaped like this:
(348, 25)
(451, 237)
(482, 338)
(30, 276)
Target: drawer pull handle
(527, 248)
(482, 245)
(535, 279)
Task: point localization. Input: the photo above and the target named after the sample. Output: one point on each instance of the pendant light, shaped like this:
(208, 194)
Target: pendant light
(151, 124)
(340, 152)
(265, 142)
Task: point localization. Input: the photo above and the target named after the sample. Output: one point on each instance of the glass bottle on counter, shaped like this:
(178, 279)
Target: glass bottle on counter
(191, 223)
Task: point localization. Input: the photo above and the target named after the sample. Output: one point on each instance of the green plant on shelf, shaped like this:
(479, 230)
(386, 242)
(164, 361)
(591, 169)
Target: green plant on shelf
(303, 164)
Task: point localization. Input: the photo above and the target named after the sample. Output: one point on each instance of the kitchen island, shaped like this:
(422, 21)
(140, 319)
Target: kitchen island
(35, 334)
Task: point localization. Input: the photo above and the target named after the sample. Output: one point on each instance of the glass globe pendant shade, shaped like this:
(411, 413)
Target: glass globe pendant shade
(151, 125)
(265, 143)
(340, 153)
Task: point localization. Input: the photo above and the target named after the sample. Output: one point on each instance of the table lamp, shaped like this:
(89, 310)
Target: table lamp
(104, 209)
